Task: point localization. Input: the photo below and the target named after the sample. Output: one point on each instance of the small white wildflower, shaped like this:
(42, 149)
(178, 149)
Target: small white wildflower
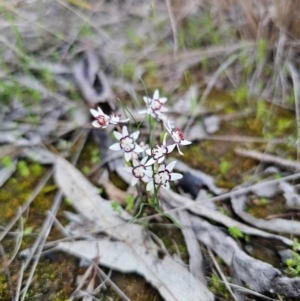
(177, 136)
(140, 171)
(155, 106)
(102, 120)
(159, 152)
(127, 143)
(115, 119)
(163, 177)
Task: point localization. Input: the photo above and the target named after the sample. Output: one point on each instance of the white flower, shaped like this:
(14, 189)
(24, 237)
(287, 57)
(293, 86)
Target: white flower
(102, 120)
(140, 170)
(163, 176)
(115, 119)
(127, 143)
(155, 106)
(177, 136)
(158, 153)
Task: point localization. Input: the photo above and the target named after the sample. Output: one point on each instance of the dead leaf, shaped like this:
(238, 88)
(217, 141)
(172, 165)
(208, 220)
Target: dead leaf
(92, 81)
(275, 225)
(260, 276)
(290, 195)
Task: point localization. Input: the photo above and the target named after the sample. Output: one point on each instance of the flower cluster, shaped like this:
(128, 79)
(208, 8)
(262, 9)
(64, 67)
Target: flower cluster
(147, 164)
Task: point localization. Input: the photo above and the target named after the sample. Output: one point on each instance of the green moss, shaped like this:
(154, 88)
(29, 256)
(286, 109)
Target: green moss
(52, 280)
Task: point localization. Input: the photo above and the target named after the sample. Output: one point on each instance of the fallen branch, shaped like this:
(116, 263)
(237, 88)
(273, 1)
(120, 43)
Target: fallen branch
(283, 163)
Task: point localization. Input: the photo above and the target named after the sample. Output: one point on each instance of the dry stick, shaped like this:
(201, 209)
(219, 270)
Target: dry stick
(6, 269)
(286, 164)
(18, 241)
(40, 241)
(83, 279)
(296, 82)
(21, 273)
(112, 284)
(32, 196)
(245, 139)
(102, 284)
(210, 85)
(222, 274)
(246, 290)
(226, 196)
(283, 215)
(57, 223)
(173, 25)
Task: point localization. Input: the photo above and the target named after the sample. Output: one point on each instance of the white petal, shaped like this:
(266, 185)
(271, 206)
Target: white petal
(124, 131)
(150, 162)
(148, 173)
(185, 142)
(127, 156)
(148, 151)
(135, 162)
(143, 112)
(150, 186)
(161, 159)
(166, 186)
(134, 181)
(163, 109)
(163, 117)
(176, 176)
(100, 112)
(179, 151)
(171, 147)
(115, 147)
(145, 179)
(113, 119)
(170, 166)
(96, 124)
(118, 135)
(135, 135)
(147, 100)
(156, 94)
(138, 149)
(124, 120)
(143, 161)
(163, 99)
(94, 112)
(128, 169)
(161, 167)
(134, 156)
